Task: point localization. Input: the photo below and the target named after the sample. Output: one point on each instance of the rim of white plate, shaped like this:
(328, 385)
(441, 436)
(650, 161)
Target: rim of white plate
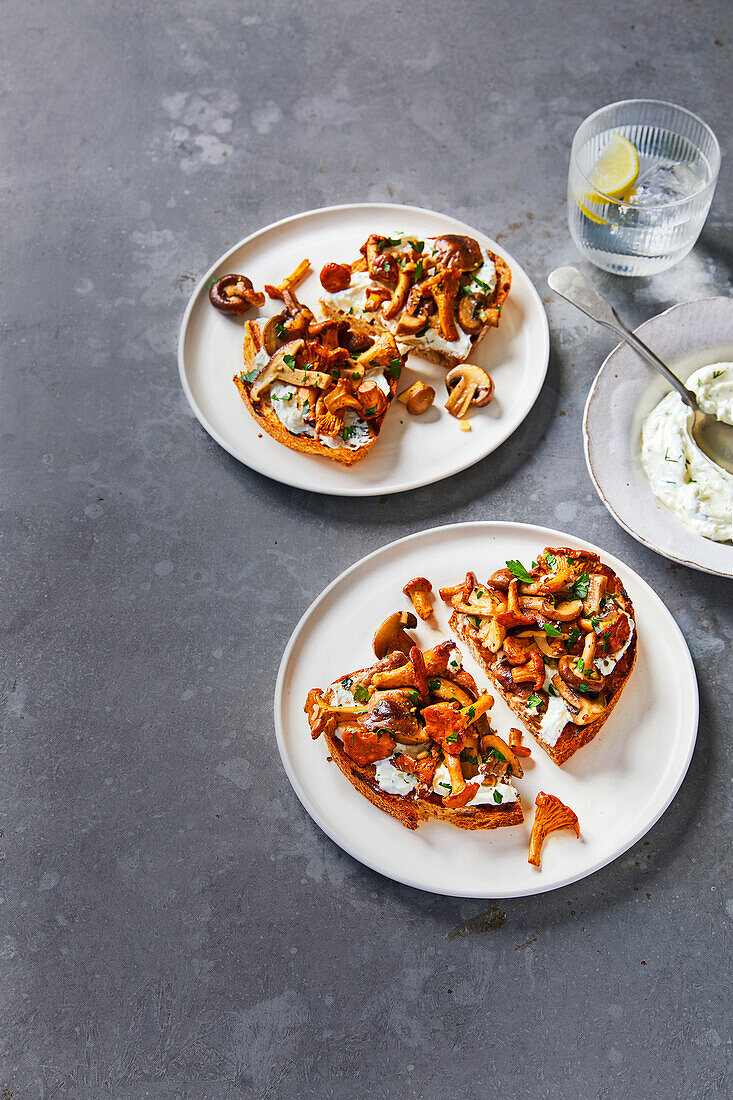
(543, 533)
(372, 490)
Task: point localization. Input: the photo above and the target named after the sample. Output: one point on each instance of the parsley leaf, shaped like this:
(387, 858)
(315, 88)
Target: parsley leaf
(418, 271)
(551, 561)
(498, 797)
(347, 682)
(289, 361)
(395, 367)
(250, 375)
(519, 571)
(551, 631)
(453, 737)
(534, 701)
(573, 636)
(361, 694)
(433, 684)
(471, 712)
(497, 754)
(347, 433)
(580, 588)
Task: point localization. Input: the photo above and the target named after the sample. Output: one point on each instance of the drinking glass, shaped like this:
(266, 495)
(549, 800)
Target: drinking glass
(659, 219)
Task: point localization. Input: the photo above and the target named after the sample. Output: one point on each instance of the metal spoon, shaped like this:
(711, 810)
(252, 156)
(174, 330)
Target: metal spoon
(713, 437)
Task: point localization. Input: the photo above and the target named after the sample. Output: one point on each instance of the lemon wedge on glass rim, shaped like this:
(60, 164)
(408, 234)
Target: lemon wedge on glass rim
(613, 174)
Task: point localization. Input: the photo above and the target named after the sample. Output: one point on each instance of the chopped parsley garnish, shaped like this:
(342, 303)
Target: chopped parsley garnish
(285, 397)
(579, 664)
(371, 412)
(250, 375)
(388, 242)
(471, 712)
(289, 361)
(534, 700)
(453, 737)
(446, 785)
(347, 682)
(351, 311)
(479, 282)
(583, 689)
(497, 754)
(580, 588)
(476, 620)
(551, 561)
(433, 684)
(479, 594)
(348, 432)
(395, 367)
(605, 643)
(498, 797)
(596, 624)
(717, 373)
(419, 245)
(280, 330)
(551, 630)
(414, 697)
(418, 270)
(212, 282)
(361, 694)
(573, 636)
(519, 571)
(667, 458)
(355, 376)
(552, 689)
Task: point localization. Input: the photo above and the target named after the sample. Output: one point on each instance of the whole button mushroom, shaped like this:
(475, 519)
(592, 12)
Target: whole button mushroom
(391, 635)
(417, 399)
(335, 277)
(467, 385)
(234, 294)
(454, 250)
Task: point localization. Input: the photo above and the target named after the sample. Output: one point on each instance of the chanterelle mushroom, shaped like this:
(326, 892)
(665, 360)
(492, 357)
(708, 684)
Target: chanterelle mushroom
(282, 368)
(391, 634)
(467, 385)
(419, 589)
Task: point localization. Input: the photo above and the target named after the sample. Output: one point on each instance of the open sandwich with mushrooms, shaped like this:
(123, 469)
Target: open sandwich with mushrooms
(412, 734)
(438, 296)
(557, 639)
(318, 386)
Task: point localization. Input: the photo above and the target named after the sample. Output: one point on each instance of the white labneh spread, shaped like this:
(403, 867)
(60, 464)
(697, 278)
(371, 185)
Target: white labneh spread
(696, 490)
(352, 302)
(484, 795)
(391, 780)
(283, 399)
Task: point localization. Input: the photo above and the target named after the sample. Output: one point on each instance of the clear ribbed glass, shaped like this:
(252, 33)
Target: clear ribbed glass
(658, 221)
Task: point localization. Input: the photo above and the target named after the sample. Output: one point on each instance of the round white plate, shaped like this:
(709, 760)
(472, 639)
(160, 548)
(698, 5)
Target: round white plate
(624, 392)
(619, 785)
(411, 451)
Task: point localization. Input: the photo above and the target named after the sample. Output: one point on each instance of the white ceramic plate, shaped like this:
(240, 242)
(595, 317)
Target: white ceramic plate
(624, 392)
(411, 451)
(619, 785)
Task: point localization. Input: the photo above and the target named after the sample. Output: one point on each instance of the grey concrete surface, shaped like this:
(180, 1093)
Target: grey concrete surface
(172, 924)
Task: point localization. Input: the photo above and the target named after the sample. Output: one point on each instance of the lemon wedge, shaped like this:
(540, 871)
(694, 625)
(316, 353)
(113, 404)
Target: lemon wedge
(615, 171)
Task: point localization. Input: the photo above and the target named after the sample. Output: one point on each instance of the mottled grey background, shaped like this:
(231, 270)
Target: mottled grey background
(173, 924)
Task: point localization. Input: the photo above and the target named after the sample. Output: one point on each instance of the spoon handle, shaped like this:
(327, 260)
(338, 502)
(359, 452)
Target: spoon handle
(573, 286)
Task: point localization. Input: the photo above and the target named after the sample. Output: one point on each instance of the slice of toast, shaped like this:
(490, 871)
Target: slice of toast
(377, 723)
(561, 675)
(438, 297)
(309, 394)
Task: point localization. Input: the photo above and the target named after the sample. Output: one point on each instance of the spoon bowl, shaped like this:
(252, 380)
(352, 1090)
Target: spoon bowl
(713, 437)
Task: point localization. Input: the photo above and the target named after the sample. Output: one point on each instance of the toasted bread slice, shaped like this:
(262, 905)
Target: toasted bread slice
(444, 284)
(308, 376)
(561, 676)
(378, 724)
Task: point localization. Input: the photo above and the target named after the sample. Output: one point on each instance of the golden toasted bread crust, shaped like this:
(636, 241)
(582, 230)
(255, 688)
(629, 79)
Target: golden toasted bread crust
(572, 737)
(411, 811)
(269, 422)
(375, 322)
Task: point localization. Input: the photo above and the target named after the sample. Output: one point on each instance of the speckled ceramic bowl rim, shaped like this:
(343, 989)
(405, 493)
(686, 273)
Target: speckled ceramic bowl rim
(614, 508)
